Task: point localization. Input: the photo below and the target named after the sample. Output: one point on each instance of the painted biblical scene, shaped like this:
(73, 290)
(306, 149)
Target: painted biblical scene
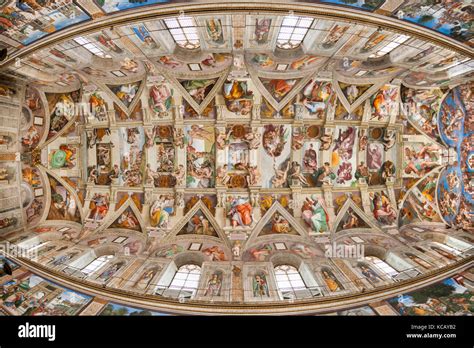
(34, 202)
(384, 104)
(421, 107)
(277, 224)
(369, 5)
(340, 198)
(200, 156)
(115, 309)
(263, 252)
(198, 224)
(343, 158)
(373, 41)
(98, 102)
(424, 209)
(449, 297)
(263, 61)
(31, 295)
(63, 204)
(126, 93)
(278, 88)
(128, 220)
(63, 108)
(209, 112)
(109, 272)
(135, 114)
(238, 97)
(341, 113)
(268, 111)
(352, 92)
(198, 90)
(333, 36)
(275, 154)
(215, 31)
(145, 39)
(381, 150)
(132, 161)
(449, 18)
(29, 22)
(316, 96)
(451, 118)
(110, 6)
(210, 201)
(214, 252)
(32, 121)
(419, 159)
(449, 193)
(308, 140)
(351, 220)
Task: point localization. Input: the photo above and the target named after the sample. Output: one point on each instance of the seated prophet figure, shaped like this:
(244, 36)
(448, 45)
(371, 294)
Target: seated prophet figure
(240, 212)
(383, 210)
(160, 212)
(323, 174)
(315, 214)
(160, 98)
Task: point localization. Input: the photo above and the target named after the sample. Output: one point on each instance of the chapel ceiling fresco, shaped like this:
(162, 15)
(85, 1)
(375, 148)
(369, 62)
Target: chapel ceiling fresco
(28, 22)
(238, 142)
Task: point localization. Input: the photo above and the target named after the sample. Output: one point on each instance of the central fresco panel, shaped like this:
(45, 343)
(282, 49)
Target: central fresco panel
(200, 149)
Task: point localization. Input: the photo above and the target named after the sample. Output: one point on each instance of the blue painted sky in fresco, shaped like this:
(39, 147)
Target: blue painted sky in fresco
(358, 4)
(432, 24)
(407, 299)
(120, 5)
(61, 23)
(454, 103)
(131, 310)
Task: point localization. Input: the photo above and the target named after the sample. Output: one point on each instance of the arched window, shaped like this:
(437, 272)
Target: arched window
(290, 283)
(97, 263)
(292, 31)
(184, 32)
(449, 248)
(92, 48)
(186, 280)
(381, 265)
